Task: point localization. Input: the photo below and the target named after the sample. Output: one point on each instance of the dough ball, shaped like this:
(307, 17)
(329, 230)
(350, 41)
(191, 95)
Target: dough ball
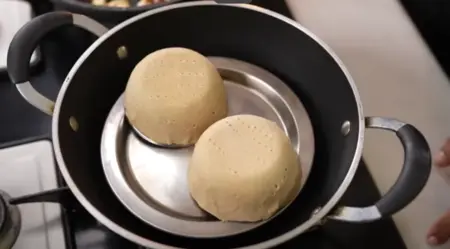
(173, 95)
(244, 168)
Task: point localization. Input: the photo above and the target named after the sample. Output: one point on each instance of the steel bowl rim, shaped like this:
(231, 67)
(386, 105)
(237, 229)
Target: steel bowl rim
(122, 186)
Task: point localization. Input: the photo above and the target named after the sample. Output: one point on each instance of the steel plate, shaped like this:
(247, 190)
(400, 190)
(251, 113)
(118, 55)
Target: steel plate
(151, 181)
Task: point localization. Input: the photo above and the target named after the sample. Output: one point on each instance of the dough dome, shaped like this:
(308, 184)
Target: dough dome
(244, 168)
(173, 95)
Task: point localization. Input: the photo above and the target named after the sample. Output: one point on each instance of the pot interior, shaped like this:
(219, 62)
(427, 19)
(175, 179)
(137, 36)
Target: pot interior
(243, 33)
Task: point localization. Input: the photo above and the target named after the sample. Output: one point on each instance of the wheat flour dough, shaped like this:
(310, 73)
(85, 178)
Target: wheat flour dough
(244, 168)
(173, 95)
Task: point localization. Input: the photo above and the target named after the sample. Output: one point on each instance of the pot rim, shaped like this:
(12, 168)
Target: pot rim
(315, 219)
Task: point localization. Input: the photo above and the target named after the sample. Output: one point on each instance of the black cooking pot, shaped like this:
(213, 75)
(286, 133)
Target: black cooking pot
(244, 32)
(105, 13)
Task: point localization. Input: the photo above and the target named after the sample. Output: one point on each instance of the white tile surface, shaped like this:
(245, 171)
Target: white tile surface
(28, 169)
(396, 76)
(13, 15)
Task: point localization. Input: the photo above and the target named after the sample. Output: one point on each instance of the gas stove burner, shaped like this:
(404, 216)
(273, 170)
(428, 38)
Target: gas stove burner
(10, 221)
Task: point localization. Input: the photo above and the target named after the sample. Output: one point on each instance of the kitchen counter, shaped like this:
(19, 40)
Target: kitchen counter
(397, 76)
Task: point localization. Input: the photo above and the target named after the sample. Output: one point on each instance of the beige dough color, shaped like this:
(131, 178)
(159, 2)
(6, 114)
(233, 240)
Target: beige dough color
(173, 95)
(244, 168)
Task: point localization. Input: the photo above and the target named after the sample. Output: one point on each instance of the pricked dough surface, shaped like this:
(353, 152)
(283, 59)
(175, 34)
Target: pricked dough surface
(244, 168)
(173, 95)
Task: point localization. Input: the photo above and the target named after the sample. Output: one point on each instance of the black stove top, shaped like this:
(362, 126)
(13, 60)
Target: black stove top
(59, 51)
(84, 232)
(3, 214)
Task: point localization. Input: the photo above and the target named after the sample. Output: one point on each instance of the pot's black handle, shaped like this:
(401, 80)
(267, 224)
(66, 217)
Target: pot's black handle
(412, 179)
(25, 42)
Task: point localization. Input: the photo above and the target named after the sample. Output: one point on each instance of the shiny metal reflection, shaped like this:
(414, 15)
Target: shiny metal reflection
(151, 181)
